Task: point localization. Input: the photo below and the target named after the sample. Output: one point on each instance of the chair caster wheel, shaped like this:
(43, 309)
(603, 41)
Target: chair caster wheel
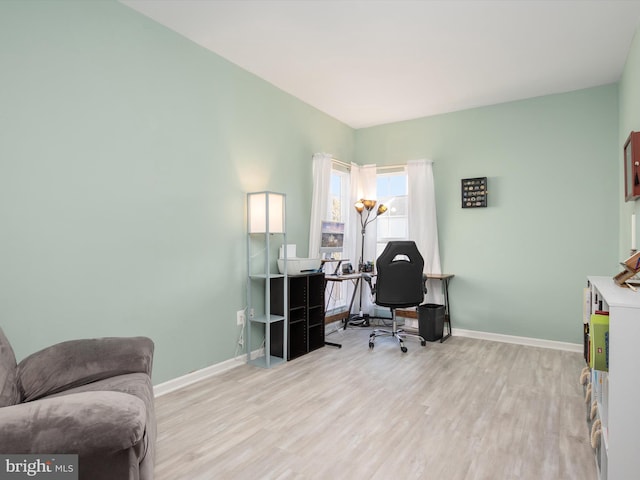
(371, 345)
(423, 343)
(404, 349)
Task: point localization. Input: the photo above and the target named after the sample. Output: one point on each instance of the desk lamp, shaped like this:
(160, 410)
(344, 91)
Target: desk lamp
(365, 209)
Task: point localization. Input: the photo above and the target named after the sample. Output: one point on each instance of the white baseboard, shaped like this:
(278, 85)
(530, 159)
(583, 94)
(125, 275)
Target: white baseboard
(198, 375)
(531, 342)
(497, 337)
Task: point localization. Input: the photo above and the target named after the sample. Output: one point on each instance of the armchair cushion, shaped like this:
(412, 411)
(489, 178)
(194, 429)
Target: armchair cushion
(78, 362)
(82, 423)
(9, 394)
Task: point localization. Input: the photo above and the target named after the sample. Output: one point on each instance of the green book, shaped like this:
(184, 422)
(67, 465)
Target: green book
(599, 333)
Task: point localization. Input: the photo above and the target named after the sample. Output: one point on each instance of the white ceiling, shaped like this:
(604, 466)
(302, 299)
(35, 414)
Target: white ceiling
(370, 62)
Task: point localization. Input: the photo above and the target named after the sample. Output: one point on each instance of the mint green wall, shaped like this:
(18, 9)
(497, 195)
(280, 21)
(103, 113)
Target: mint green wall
(126, 151)
(629, 120)
(521, 263)
(125, 155)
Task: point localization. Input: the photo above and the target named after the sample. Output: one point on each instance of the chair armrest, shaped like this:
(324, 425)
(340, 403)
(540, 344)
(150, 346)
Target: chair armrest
(79, 362)
(424, 283)
(81, 423)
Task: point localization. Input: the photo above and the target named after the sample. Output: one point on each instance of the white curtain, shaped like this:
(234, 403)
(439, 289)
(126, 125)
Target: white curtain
(320, 200)
(352, 245)
(423, 225)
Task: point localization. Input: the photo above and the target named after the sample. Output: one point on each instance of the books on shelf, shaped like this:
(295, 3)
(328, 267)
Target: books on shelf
(599, 341)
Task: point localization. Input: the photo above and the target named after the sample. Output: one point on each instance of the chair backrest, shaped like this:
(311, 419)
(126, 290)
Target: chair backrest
(399, 281)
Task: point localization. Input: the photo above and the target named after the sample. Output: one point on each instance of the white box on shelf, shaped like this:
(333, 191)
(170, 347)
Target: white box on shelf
(296, 266)
(291, 251)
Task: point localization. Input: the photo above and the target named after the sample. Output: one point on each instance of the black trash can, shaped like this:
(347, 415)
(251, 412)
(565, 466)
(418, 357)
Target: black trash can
(431, 321)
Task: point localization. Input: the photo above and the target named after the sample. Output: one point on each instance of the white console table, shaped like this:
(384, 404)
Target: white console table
(619, 400)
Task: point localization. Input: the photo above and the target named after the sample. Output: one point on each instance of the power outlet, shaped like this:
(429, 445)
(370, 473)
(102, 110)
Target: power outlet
(240, 318)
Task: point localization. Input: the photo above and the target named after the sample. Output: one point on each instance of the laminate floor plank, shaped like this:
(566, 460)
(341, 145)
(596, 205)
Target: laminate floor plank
(465, 409)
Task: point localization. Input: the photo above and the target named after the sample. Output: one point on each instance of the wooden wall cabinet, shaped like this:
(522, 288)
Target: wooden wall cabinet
(304, 313)
(632, 167)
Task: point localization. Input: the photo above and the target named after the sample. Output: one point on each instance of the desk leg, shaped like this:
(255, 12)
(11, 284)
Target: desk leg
(447, 312)
(331, 344)
(356, 283)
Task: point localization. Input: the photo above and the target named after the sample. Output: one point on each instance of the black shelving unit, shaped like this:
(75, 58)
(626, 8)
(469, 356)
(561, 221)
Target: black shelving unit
(305, 314)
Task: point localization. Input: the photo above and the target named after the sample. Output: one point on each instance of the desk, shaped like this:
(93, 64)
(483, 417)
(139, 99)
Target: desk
(444, 279)
(336, 271)
(355, 278)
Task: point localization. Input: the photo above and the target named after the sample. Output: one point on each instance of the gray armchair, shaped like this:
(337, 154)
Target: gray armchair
(89, 397)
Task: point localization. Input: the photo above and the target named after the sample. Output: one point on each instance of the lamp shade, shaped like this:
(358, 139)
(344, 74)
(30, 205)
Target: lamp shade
(265, 212)
(368, 204)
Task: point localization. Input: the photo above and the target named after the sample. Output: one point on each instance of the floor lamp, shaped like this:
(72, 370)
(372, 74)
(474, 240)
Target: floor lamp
(367, 215)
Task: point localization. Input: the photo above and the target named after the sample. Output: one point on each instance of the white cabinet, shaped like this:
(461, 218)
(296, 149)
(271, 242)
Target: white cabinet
(266, 232)
(618, 391)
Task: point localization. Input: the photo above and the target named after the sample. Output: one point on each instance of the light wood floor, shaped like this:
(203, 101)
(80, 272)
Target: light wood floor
(465, 409)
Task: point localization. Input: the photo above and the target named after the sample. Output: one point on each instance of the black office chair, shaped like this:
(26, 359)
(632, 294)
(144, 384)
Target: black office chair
(400, 283)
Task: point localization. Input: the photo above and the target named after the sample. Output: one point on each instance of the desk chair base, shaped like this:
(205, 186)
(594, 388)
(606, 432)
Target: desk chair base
(395, 332)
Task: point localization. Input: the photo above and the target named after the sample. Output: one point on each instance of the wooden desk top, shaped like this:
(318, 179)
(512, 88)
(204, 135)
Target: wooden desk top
(353, 276)
(440, 276)
(346, 276)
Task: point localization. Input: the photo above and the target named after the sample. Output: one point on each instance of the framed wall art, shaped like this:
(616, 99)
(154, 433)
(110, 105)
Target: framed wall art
(474, 192)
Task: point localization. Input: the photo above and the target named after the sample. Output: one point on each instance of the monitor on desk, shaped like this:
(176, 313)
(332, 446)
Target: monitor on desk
(332, 237)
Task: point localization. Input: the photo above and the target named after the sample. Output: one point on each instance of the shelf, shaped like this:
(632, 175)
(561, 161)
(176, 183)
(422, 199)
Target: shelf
(298, 340)
(316, 337)
(316, 316)
(297, 313)
(599, 381)
(305, 321)
(262, 361)
(264, 276)
(616, 392)
(265, 319)
(615, 295)
(266, 230)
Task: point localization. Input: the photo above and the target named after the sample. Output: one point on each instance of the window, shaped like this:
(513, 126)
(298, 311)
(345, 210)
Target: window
(391, 187)
(338, 211)
(338, 196)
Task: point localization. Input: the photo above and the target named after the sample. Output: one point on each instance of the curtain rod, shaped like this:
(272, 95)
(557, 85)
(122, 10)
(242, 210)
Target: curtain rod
(382, 167)
(341, 163)
(390, 167)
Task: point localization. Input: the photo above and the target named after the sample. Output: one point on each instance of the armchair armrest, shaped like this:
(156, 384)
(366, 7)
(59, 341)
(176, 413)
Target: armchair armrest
(81, 423)
(78, 362)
